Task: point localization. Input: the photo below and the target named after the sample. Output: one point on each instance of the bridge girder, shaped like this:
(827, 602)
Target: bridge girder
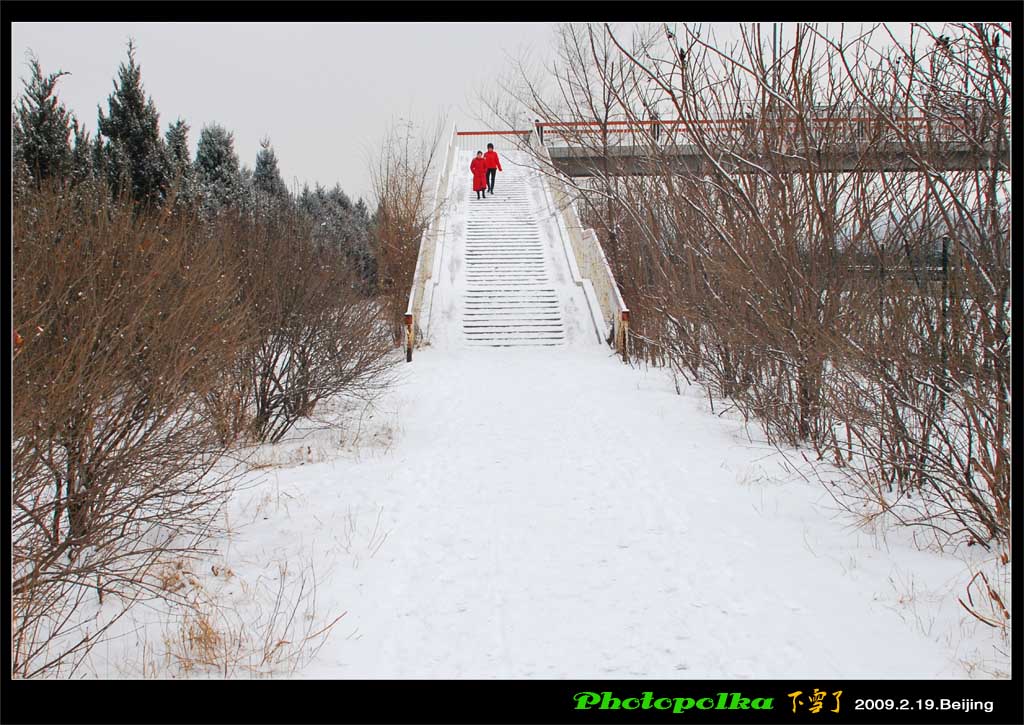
(578, 162)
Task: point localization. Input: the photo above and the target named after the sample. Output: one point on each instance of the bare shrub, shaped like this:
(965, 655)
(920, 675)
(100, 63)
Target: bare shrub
(126, 318)
(312, 333)
(939, 350)
(820, 233)
(399, 180)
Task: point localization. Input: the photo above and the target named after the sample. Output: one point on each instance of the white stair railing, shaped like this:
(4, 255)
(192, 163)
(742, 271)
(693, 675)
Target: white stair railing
(428, 256)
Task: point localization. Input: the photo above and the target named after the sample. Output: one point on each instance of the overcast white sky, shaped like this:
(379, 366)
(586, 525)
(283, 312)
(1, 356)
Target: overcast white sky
(323, 92)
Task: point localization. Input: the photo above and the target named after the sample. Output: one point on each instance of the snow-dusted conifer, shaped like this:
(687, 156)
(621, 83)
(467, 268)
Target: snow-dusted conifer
(98, 157)
(308, 203)
(266, 178)
(362, 244)
(42, 126)
(246, 197)
(217, 171)
(81, 166)
(182, 173)
(339, 223)
(132, 129)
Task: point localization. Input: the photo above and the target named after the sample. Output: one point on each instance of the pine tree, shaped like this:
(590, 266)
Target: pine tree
(137, 155)
(339, 223)
(266, 179)
(361, 212)
(98, 154)
(217, 173)
(362, 242)
(246, 190)
(42, 127)
(182, 174)
(307, 203)
(81, 156)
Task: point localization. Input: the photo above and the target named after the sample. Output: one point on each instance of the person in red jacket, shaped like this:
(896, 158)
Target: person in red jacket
(479, 169)
(493, 166)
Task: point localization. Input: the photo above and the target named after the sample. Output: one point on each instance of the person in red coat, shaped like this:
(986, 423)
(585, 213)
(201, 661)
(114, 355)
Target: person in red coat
(479, 169)
(493, 166)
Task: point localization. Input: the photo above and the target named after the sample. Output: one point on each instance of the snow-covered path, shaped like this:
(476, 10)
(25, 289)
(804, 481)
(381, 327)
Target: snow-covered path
(557, 514)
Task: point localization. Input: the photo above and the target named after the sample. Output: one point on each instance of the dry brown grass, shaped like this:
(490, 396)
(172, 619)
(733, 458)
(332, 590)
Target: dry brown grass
(279, 632)
(175, 577)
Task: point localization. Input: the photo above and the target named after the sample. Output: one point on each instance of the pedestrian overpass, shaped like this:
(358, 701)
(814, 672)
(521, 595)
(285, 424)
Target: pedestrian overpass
(519, 269)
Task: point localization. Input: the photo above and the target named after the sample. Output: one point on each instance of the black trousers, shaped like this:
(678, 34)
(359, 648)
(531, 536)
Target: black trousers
(491, 173)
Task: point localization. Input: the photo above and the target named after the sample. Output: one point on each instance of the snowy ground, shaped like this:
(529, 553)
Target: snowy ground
(552, 513)
(560, 515)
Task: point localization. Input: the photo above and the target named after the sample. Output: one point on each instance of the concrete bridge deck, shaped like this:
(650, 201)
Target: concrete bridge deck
(638, 160)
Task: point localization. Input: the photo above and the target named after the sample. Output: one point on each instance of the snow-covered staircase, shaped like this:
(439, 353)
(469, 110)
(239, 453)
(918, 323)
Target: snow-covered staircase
(503, 274)
(509, 298)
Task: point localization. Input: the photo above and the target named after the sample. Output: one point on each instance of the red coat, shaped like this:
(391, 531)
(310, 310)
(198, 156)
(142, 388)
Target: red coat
(479, 169)
(491, 157)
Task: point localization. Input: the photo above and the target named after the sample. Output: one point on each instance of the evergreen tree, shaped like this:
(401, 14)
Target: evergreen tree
(266, 179)
(81, 155)
(246, 190)
(362, 213)
(340, 199)
(367, 260)
(42, 127)
(177, 145)
(132, 127)
(98, 154)
(340, 223)
(182, 174)
(357, 239)
(307, 203)
(313, 204)
(217, 173)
